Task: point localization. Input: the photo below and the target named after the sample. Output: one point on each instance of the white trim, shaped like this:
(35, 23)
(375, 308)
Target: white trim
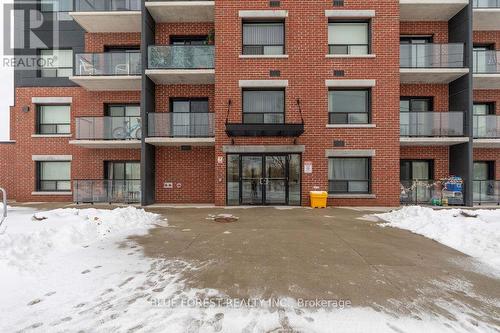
(351, 83)
(51, 193)
(342, 13)
(369, 56)
(263, 56)
(7, 141)
(263, 13)
(349, 152)
(353, 196)
(351, 126)
(51, 135)
(64, 158)
(51, 100)
(263, 83)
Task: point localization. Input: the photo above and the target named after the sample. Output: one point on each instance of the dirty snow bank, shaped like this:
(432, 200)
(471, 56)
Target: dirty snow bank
(30, 237)
(477, 236)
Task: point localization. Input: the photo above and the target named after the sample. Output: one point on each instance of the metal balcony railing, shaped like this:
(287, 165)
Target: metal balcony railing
(486, 192)
(108, 128)
(181, 125)
(110, 63)
(106, 5)
(486, 62)
(431, 124)
(415, 192)
(432, 55)
(107, 191)
(486, 127)
(486, 3)
(181, 57)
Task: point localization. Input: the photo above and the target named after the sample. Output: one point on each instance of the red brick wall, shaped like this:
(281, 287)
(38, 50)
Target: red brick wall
(8, 168)
(439, 92)
(438, 30)
(165, 92)
(97, 42)
(487, 37)
(193, 170)
(165, 30)
(488, 96)
(440, 156)
(306, 69)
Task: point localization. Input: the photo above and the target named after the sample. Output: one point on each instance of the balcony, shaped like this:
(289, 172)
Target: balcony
(108, 132)
(181, 64)
(181, 129)
(432, 63)
(486, 192)
(108, 15)
(172, 11)
(430, 10)
(106, 191)
(112, 71)
(432, 128)
(486, 69)
(486, 14)
(486, 131)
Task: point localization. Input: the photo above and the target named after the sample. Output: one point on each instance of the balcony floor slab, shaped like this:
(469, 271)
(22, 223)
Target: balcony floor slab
(487, 81)
(181, 76)
(430, 10)
(181, 11)
(107, 144)
(108, 83)
(169, 142)
(431, 75)
(439, 141)
(486, 19)
(109, 21)
(487, 143)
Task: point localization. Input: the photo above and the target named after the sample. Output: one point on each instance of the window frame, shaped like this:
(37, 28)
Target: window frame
(369, 36)
(490, 167)
(411, 99)
(39, 180)
(369, 180)
(283, 90)
(124, 162)
(124, 105)
(172, 100)
(39, 123)
(411, 161)
(491, 108)
(40, 69)
(265, 21)
(189, 39)
(368, 105)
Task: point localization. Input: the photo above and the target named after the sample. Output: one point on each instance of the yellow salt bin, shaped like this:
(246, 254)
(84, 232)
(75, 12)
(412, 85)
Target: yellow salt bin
(318, 199)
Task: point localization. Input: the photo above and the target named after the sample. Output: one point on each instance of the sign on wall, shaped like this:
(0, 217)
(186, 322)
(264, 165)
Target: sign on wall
(308, 167)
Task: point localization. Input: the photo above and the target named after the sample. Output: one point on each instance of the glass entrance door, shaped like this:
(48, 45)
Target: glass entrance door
(264, 179)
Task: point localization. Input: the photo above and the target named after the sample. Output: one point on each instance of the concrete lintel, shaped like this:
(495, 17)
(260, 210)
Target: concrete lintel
(64, 158)
(349, 152)
(349, 13)
(109, 83)
(263, 13)
(51, 100)
(263, 83)
(431, 75)
(264, 149)
(350, 83)
(109, 21)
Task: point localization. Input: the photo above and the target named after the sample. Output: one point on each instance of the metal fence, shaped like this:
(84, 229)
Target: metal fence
(432, 55)
(415, 192)
(486, 192)
(108, 128)
(106, 191)
(181, 124)
(430, 124)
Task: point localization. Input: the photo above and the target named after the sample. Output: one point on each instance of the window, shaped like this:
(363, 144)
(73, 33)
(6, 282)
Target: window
(349, 106)
(263, 38)
(348, 38)
(56, 5)
(53, 176)
(415, 104)
(349, 175)
(194, 105)
(190, 117)
(483, 109)
(411, 170)
(53, 119)
(123, 110)
(56, 63)
(263, 106)
(123, 170)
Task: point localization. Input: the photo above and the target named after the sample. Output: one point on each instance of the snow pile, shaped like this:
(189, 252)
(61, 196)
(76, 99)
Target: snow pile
(477, 236)
(29, 237)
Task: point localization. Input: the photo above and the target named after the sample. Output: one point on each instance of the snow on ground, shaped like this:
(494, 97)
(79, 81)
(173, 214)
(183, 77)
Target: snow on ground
(473, 232)
(69, 270)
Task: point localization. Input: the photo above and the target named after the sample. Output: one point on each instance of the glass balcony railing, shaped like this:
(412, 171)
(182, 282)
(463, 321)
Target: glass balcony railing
(486, 62)
(106, 5)
(181, 125)
(181, 57)
(111, 63)
(416, 192)
(108, 128)
(431, 124)
(107, 191)
(486, 3)
(486, 192)
(432, 55)
(487, 127)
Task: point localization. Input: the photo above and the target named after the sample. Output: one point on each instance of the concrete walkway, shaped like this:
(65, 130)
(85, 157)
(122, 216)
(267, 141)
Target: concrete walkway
(325, 254)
